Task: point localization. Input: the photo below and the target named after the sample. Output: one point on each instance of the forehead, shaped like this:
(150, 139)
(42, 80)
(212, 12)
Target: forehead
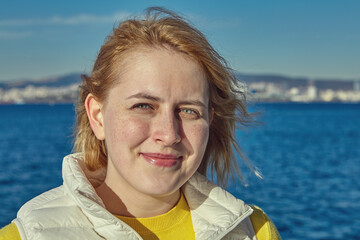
(160, 69)
(154, 59)
(135, 58)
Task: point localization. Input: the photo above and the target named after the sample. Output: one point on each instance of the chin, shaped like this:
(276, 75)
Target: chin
(159, 189)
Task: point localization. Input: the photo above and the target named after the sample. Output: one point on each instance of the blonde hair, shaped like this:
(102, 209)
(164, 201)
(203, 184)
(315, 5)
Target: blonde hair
(159, 28)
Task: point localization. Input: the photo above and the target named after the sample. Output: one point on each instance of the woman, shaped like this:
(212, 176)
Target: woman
(158, 110)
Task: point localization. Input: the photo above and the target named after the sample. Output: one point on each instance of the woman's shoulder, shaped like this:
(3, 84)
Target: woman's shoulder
(41, 200)
(263, 226)
(9, 232)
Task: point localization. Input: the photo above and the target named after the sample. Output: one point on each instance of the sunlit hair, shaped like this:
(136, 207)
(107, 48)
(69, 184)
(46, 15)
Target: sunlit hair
(162, 28)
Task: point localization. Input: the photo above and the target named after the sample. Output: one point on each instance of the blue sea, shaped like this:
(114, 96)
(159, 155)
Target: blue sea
(309, 155)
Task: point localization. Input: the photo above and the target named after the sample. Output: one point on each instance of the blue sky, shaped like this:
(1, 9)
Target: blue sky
(316, 39)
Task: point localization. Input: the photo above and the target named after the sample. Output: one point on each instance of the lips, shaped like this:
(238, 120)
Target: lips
(162, 160)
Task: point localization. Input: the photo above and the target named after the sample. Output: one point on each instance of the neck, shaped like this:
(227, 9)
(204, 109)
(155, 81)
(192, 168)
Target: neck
(121, 201)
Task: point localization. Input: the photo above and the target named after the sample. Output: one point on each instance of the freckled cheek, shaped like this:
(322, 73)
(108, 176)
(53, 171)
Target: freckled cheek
(126, 131)
(198, 136)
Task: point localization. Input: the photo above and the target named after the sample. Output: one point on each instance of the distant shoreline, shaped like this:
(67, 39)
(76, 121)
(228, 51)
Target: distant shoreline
(258, 88)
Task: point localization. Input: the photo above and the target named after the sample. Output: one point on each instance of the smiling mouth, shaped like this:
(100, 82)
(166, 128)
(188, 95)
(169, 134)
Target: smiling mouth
(162, 160)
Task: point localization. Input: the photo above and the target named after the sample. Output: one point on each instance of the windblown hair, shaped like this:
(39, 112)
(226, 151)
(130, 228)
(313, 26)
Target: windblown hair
(162, 28)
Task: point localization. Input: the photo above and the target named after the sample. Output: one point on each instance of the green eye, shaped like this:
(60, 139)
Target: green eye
(188, 111)
(143, 105)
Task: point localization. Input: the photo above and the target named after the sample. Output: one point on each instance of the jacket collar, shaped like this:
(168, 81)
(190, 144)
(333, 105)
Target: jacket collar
(214, 211)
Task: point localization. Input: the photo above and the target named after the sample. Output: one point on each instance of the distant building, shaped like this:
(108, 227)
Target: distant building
(311, 91)
(357, 86)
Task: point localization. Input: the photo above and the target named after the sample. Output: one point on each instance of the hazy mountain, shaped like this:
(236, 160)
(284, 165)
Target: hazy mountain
(289, 82)
(285, 81)
(60, 81)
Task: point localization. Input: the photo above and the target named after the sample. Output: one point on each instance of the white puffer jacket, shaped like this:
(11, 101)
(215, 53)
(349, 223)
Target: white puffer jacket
(75, 211)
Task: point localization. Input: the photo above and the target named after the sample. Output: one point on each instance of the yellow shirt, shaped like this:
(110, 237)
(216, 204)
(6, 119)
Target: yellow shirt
(263, 226)
(175, 224)
(10, 232)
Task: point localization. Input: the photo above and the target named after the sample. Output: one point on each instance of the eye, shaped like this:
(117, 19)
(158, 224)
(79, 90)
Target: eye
(142, 106)
(189, 113)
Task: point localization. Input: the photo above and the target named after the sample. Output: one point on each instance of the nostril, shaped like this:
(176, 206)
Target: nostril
(167, 128)
(168, 135)
(168, 138)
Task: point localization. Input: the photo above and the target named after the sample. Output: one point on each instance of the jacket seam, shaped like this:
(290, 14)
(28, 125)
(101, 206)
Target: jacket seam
(19, 224)
(235, 224)
(215, 200)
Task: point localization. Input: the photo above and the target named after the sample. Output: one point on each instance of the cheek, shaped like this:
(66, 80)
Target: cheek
(198, 136)
(123, 131)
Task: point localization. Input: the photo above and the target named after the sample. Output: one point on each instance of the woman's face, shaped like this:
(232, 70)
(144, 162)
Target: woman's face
(155, 122)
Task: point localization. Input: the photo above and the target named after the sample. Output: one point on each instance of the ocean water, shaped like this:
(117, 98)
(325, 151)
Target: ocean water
(309, 155)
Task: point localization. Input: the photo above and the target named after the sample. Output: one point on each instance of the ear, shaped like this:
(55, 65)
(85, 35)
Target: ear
(95, 116)
(211, 115)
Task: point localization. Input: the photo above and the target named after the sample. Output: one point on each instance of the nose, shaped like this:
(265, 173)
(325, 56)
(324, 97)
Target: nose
(167, 129)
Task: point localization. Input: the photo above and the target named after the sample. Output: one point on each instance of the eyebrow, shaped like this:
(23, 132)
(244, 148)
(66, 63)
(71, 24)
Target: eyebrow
(194, 102)
(157, 99)
(145, 96)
